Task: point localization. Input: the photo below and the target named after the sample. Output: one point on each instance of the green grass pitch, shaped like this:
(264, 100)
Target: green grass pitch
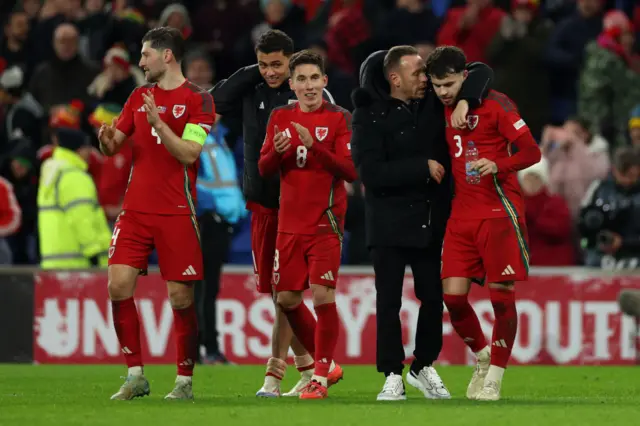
(548, 396)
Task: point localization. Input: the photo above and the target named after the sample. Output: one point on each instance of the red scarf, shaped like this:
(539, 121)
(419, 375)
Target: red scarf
(609, 39)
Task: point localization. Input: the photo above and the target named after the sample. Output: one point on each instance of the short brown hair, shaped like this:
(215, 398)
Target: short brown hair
(166, 38)
(625, 158)
(306, 57)
(445, 60)
(394, 55)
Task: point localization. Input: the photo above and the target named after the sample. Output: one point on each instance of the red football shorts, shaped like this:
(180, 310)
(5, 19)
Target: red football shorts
(175, 237)
(492, 249)
(304, 259)
(264, 230)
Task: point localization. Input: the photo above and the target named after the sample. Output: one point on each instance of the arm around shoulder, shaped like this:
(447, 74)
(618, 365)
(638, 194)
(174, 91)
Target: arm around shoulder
(477, 85)
(228, 92)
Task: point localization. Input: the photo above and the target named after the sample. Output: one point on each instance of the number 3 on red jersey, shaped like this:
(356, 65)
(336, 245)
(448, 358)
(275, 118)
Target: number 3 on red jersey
(458, 140)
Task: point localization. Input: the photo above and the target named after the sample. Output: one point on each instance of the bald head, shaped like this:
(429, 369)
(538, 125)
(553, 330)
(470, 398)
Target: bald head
(65, 41)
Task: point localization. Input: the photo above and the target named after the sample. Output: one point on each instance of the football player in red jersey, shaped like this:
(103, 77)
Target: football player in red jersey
(168, 121)
(486, 238)
(308, 143)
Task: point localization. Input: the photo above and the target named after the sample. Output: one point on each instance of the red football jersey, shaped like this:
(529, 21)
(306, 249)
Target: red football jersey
(492, 127)
(313, 198)
(158, 182)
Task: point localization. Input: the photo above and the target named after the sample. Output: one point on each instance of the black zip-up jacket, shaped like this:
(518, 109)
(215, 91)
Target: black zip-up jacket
(245, 93)
(391, 144)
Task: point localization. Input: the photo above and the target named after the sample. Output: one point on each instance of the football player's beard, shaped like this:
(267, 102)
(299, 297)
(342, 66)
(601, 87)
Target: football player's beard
(155, 77)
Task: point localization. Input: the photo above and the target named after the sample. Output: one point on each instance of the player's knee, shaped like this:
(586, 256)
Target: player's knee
(121, 283)
(456, 285)
(322, 295)
(180, 295)
(288, 300)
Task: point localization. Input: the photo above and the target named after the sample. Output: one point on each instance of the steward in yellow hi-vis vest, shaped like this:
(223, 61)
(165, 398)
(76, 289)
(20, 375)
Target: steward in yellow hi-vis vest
(72, 226)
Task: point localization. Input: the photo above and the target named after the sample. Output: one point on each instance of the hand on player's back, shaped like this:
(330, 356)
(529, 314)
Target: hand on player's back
(459, 115)
(303, 133)
(281, 142)
(436, 170)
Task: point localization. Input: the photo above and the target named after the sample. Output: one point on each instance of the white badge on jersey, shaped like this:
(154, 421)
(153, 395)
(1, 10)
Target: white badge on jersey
(178, 110)
(519, 124)
(321, 133)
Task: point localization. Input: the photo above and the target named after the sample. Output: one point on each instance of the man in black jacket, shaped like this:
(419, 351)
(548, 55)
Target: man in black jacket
(252, 93)
(400, 151)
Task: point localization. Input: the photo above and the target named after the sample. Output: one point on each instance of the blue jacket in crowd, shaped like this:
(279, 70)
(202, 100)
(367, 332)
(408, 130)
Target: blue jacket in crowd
(217, 185)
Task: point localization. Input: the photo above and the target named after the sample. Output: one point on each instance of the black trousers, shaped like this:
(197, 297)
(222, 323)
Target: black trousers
(389, 264)
(215, 235)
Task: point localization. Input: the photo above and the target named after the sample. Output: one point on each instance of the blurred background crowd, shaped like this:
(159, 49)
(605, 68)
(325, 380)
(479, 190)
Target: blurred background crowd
(572, 67)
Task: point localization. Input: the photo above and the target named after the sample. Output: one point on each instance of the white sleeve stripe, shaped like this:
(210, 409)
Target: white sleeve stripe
(326, 92)
(589, 193)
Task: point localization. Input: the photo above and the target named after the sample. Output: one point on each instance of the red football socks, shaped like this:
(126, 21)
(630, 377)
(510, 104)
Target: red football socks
(303, 325)
(127, 325)
(465, 321)
(185, 324)
(326, 337)
(505, 327)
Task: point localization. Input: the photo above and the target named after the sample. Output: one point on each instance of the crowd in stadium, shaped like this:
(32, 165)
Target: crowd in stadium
(572, 67)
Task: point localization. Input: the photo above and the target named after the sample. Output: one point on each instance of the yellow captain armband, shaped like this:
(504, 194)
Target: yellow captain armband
(194, 133)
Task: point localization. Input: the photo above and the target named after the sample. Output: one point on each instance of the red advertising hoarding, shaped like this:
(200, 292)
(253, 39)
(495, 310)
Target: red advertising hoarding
(570, 318)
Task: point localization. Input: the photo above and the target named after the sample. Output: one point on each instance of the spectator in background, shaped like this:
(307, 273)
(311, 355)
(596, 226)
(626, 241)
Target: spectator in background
(52, 14)
(177, 16)
(412, 22)
(311, 7)
(10, 218)
(340, 83)
(117, 80)
(471, 28)
(565, 55)
(548, 219)
(610, 215)
(72, 227)
(348, 38)
(634, 126)
(31, 7)
(576, 158)
(14, 57)
(280, 15)
(69, 117)
(20, 169)
(198, 69)
(114, 170)
(67, 76)
(516, 53)
(609, 85)
(94, 27)
(218, 25)
(221, 205)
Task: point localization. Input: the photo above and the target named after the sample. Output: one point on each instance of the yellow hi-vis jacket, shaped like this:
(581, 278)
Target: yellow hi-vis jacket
(72, 225)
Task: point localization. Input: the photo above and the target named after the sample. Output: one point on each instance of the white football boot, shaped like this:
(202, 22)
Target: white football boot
(429, 383)
(482, 368)
(134, 386)
(393, 389)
